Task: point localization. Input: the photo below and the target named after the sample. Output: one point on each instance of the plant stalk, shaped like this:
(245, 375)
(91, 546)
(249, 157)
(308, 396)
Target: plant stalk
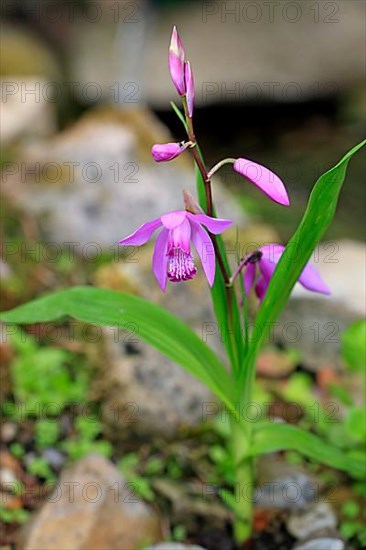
(244, 481)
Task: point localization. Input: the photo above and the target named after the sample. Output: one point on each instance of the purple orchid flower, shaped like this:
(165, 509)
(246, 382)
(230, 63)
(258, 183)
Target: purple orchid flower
(163, 152)
(176, 58)
(269, 257)
(172, 258)
(264, 179)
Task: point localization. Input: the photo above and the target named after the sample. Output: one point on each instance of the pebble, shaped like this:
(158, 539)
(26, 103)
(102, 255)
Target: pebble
(321, 543)
(315, 517)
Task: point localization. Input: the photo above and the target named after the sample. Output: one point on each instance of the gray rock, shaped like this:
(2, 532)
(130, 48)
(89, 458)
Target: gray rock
(321, 543)
(7, 477)
(234, 72)
(317, 516)
(150, 394)
(342, 264)
(5, 270)
(9, 431)
(92, 507)
(55, 458)
(97, 183)
(283, 486)
(35, 117)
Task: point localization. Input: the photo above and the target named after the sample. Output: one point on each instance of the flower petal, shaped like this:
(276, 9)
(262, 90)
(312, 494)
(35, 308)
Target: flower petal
(272, 252)
(173, 219)
(176, 62)
(249, 277)
(261, 287)
(310, 277)
(311, 280)
(267, 267)
(142, 234)
(180, 236)
(205, 250)
(160, 258)
(264, 179)
(188, 75)
(163, 152)
(214, 225)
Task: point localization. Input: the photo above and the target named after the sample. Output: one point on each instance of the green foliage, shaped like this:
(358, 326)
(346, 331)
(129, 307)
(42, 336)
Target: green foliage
(19, 516)
(39, 467)
(353, 346)
(179, 533)
(85, 439)
(299, 389)
(221, 457)
(141, 486)
(269, 437)
(355, 424)
(46, 433)
(17, 449)
(352, 525)
(43, 379)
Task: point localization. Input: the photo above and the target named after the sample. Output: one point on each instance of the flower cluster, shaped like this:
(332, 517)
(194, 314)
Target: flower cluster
(172, 258)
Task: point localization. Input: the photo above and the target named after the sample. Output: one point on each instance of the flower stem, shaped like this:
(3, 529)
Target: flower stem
(207, 182)
(248, 259)
(219, 165)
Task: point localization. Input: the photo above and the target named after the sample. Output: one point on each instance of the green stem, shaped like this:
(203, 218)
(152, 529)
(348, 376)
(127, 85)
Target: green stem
(244, 481)
(230, 293)
(240, 430)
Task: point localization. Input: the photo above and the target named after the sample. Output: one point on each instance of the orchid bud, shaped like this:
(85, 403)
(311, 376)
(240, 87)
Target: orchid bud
(177, 62)
(266, 180)
(163, 152)
(190, 87)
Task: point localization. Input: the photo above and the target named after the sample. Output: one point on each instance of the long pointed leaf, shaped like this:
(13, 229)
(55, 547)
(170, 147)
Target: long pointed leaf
(155, 325)
(269, 437)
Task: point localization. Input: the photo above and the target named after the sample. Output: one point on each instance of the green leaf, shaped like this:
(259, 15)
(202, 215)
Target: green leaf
(153, 324)
(355, 424)
(269, 437)
(179, 114)
(317, 218)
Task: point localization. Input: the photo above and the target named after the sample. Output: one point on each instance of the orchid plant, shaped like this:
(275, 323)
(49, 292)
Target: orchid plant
(271, 272)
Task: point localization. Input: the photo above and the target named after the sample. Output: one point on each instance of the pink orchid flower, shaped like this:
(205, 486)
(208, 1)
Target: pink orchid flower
(172, 258)
(270, 256)
(163, 152)
(264, 179)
